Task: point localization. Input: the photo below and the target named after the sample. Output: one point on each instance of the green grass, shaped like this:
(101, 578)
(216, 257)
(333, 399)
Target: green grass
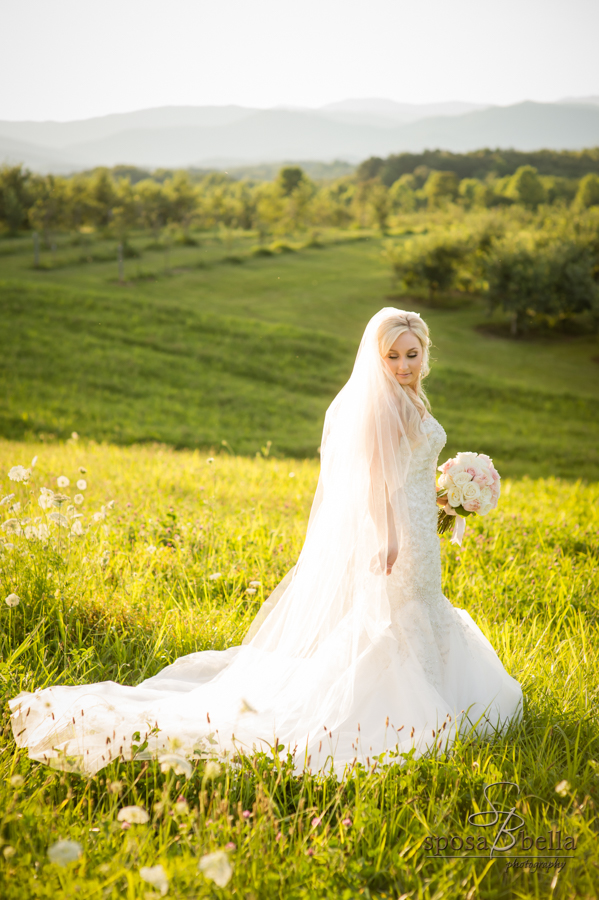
(107, 606)
(210, 351)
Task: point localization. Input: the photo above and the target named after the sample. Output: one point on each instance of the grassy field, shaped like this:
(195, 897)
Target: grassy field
(133, 593)
(226, 345)
(217, 343)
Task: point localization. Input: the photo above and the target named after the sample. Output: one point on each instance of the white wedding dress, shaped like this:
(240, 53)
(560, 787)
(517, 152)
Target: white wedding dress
(366, 666)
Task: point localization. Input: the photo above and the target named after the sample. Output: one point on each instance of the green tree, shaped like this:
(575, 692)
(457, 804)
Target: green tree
(545, 283)
(526, 188)
(289, 179)
(431, 261)
(15, 197)
(588, 192)
(102, 193)
(402, 194)
(49, 211)
(153, 205)
(441, 188)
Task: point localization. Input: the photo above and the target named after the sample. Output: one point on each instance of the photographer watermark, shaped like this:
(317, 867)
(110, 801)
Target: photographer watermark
(504, 831)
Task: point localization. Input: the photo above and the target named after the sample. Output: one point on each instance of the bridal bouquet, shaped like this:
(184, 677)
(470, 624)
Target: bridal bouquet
(471, 484)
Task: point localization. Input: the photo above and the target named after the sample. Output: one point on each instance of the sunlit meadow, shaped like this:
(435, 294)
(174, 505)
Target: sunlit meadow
(151, 554)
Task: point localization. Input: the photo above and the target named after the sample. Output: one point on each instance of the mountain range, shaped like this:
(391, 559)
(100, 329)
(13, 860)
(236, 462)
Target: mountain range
(221, 136)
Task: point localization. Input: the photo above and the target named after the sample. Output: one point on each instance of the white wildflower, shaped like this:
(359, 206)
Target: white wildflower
(156, 876)
(62, 481)
(133, 815)
(82, 470)
(12, 600)
(217, 867)
(110, 504)
(151, 548)
(33, 463)
(215, 576)
(59, 519)
(12, 526)
(74, 436)
(212, 769)
(64, 852)
(77, 527)
(59, 499)
(250, 590)
(17, 781)
(255, 583)
(178, 764)
(82, 484)
(45, 498)
(292, 474)
(16, 507)
(8, 851)
(78, 499)
(6, 499)
(562, 788)
(210, 460)
(19, 473)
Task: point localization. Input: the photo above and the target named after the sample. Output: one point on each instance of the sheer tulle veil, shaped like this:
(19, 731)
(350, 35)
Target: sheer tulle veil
(297, 675)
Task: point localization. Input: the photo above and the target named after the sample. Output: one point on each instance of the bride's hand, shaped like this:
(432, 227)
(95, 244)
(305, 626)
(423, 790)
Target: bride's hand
(391, 559)
(384, 561)
(441, 501)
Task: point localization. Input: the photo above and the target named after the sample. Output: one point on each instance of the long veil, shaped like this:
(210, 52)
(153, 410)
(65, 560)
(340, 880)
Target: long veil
(306, 660)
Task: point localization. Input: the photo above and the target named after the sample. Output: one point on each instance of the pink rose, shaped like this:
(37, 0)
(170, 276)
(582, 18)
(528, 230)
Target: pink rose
(480, 479)
(472, 471)
(472, 505)
(486, 459)
(447, 466)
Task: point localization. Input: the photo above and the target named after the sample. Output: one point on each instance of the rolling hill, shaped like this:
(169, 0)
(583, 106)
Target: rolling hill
(350, 130)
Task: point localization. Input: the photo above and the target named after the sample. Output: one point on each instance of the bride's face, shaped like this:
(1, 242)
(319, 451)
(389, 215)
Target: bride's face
(404, 359)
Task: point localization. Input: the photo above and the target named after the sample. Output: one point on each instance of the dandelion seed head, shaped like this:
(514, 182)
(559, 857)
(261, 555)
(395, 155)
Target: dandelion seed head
(250, 590)
(78, 499)
(12, 600)
(255, 584)
(8, 852)
(212, 769)
(82, 484)
(133, 815)
(64, 852)
(215, 576)
(74, 436)
(17, 781)
(33, 463)
(217, 867)
(179, 764)
(6, 500)
(563, 788)
(62, 481)
(156, 876)
(210, 460)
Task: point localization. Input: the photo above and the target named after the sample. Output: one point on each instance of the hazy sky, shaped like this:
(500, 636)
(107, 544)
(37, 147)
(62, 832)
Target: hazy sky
(71, 59)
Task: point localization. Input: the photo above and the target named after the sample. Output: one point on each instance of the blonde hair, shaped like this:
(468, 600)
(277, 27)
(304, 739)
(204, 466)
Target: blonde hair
(388, 332)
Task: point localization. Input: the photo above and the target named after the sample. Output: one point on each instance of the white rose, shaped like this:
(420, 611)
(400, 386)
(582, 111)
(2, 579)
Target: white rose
(467, 459)
(486, 495)
(484, 509)
(471, 491)
(454, 496)
(461, 479)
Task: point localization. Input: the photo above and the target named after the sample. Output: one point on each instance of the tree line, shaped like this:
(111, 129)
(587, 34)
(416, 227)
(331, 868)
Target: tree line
(119, 201)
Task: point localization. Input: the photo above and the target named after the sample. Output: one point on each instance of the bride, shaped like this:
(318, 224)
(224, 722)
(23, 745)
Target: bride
(357, 654)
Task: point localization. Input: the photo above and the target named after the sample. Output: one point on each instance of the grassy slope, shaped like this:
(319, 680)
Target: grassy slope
(109, 609)
(149, 360)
